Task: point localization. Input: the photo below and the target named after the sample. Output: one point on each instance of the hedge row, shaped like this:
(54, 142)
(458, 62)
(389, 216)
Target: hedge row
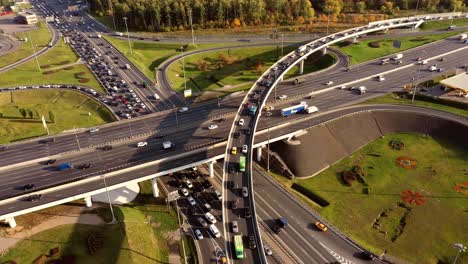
(311, 195)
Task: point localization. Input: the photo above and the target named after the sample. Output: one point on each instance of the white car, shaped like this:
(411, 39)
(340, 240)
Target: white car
(267, 249)
(210, 218)
(192, 201)
(142, 144)
(211, 127)
(381, 78)
(245, 192)
(184, 192)
(189, 184)
(244, 149)
(343, 87)
(128, 116)
(183, 109)
(329, 83)
(93, 130)
(198, 234)
(241, 122)
(235, 227)
(215, 231)
(283, 96)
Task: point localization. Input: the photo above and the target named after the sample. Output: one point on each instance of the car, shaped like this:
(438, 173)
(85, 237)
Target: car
(28, 187)
(283, 96)
(236, 134)
(247, 131)
(85, 166)
(247, 213)
(321, 226)
(210, 218)
(220, 120)
(234, 205)
(234, 150)
(267, 250)
(329, 83)
(366, 255)
(107, 147)
(183, 109)
(3, 147)
(230, 184)
(231, 169)
(47, 141)
(50, 162)
(35, 197)
(269, 113)
(252, 242)
(442, 59)
(241, 122)
(244, 149)
(142, 144)
(211, 127)
(202, 222)
(198, 234)
(276, 229)
(235, 227)
(184, 192)
(381, 78)
(418, 59)
(245, 192)
(189, 184)
(191, 201)
(215, 231)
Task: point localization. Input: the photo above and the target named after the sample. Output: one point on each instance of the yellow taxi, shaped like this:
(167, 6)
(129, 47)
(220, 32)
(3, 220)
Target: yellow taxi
(234, 151)
(321, 226)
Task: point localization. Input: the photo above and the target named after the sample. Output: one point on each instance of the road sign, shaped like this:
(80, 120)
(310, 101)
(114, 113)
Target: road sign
(187, 93)
(397, 44)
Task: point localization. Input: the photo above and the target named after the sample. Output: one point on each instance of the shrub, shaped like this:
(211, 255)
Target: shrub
(374, 44)
(95, 243)
(348, 177)
(54, 252)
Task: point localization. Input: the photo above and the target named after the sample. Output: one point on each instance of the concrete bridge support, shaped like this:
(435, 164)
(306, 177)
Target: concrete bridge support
(88, 201)
(211, 168)
(11, 222)
(301, 67)
(324, 51)
(259, 153)
(154, 185)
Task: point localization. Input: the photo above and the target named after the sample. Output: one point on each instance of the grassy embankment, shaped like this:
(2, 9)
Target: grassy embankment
(444, 24)
(55, 69)
(407, 231)
(142, 235)
(364, 50)
(41, 38)
(70, 109)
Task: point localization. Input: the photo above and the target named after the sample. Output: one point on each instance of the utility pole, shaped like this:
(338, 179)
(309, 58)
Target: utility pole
(34, 52)
(282, 43)
(183, 69)
(112, 11)
(328, 19)
(191, 26)
(76, 137)
(416, 11)
(128, 35)
(268, 151)
(181, 232)
(103, 176)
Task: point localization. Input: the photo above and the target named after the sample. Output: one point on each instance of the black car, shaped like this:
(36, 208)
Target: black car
(234, 205)
(107, 147)
(252, 243)
(35, 197)
(366, 255)
(50, 162)
(28, 187)
(247, 213)
(236, 135)
(230, 185)
(247, 131)
(86, 166)
(3, 148)
(208, 184)
(47, 141)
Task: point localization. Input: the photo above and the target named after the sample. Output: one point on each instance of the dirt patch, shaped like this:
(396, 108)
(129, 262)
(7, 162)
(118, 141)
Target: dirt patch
(406, 162)
(397, 145)
(461, 188)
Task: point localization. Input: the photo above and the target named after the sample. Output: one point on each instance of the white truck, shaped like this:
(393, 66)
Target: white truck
(398, 56)
(360, 89)
(312, 109)
(301, 49)
(167, 145)
(120, 34)
(99, 35)
(463, 36)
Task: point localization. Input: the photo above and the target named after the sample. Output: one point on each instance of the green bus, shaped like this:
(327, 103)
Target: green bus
(239, 246)
(242, 164)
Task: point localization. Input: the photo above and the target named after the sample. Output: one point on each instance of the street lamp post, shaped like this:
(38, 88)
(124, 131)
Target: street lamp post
(328, 19)
(128, 35)
(461, 248)
(114, 220)
(191, 26)
(112, 11)
(416, 83)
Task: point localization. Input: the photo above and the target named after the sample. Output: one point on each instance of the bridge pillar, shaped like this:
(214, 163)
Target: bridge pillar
(154, 184)
(301, 67)
(259, 153)
(88, 201)
(324, 51)
(211, 168)
(11, 222)
(355, 39)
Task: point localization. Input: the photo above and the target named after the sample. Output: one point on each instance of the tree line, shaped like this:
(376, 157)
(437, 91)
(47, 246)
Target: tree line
(171, 15)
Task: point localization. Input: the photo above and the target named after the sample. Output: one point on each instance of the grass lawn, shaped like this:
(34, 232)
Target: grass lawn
(69, 107)
(221, 69)
(362, 51)
(147, 56)
(140, 236)
(444, 24)
(393, 98)
(60, 55)
(41, 37)
(417, 233)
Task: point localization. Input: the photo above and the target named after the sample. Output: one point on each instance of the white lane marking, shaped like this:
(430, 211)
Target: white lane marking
(340, 259)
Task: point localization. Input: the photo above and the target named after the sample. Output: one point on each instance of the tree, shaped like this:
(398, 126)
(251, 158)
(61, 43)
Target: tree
(300, 20)
(456, 5)
(30, 113)
(333, 6)
(236, 23)
(360, 7)
(23, 112)
(51, 116)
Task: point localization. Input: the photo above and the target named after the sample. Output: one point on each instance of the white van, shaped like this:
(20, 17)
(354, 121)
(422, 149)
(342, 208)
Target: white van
(214, 230)
(156, 96)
